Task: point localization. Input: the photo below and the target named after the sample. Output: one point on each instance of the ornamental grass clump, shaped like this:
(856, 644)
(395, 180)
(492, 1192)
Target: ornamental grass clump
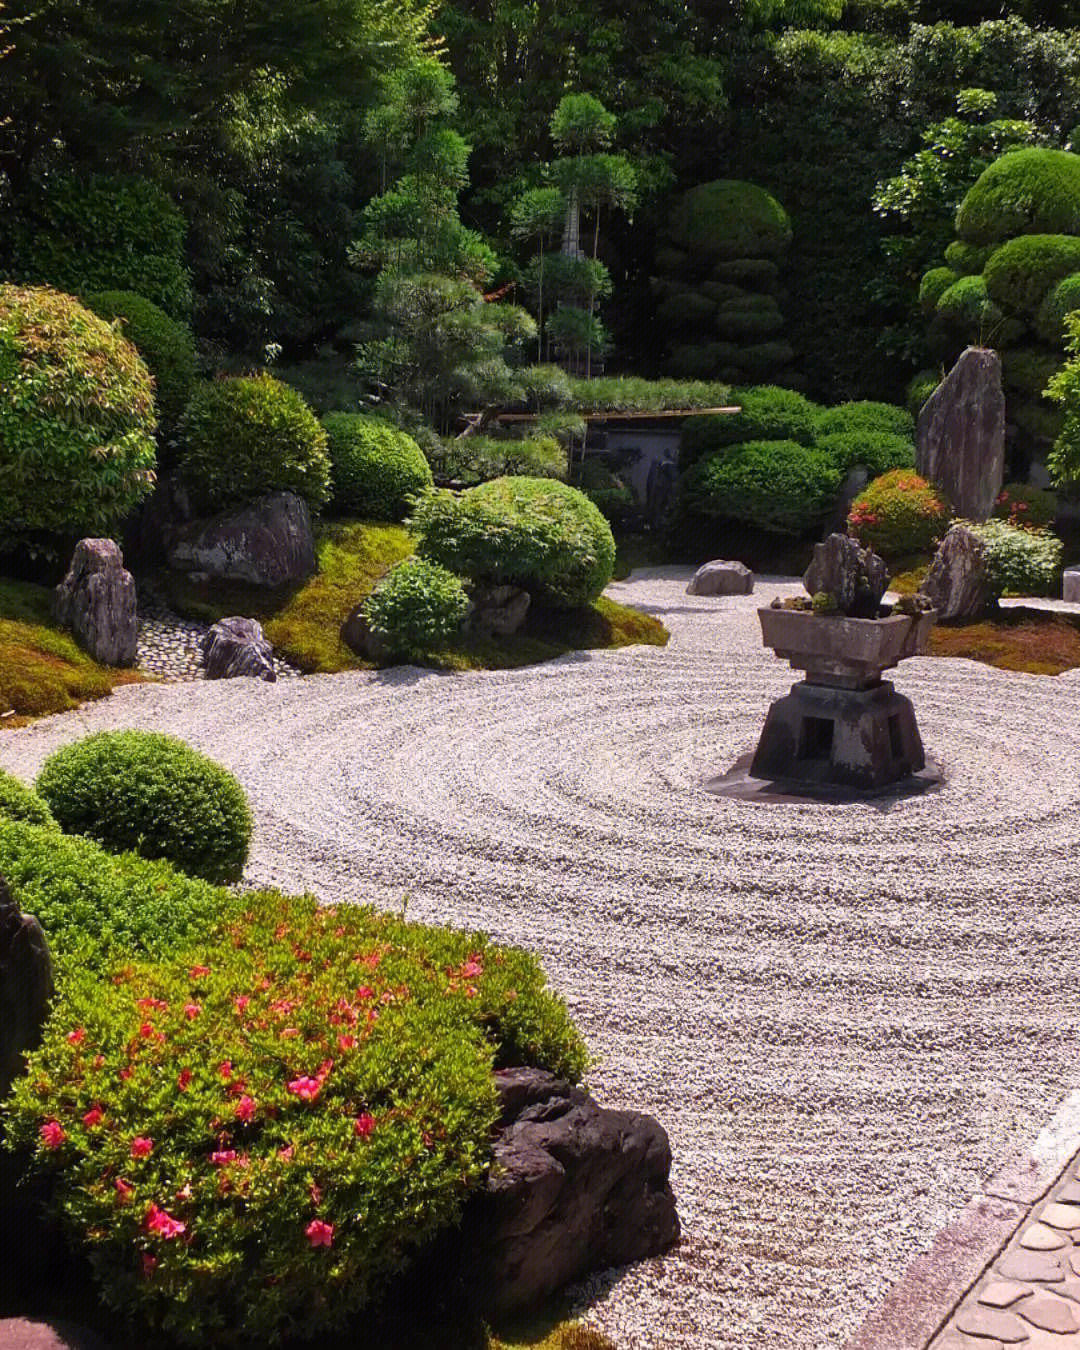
(898, 515)
(154, 795)
(252, 1137)
(416, 607)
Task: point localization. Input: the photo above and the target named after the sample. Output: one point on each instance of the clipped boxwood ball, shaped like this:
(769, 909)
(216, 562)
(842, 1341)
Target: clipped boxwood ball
(878, 451)
(866, 415)
(766, 413)
(778, 486)
(1062, 299)
(1021, 272)
(376, 468)
(898, 515)
(530, 532)
(967, 259)
(153, 795)
(934, 285)
(967, 306)
(18, 802)
(248, 435)
(730, 219)
(416, 607)
(165, 344)
(1032, 191)
(77, 418)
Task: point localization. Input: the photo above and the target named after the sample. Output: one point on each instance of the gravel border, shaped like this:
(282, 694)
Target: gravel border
(847, 1017)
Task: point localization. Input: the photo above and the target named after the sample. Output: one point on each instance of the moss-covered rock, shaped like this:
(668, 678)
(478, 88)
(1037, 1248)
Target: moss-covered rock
(730, 219)
(1032, 191)
(1022, 271)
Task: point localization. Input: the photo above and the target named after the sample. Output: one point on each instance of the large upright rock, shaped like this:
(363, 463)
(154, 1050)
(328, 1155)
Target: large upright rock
(237, 646)
(960, 438)
(26, 986)
(96, 600)
(855, 577)
(957, 584)
(266, 543)
(573, 1188)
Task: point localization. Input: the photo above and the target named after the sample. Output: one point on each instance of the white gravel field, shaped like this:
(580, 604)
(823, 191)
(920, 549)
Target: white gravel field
(846, 1016)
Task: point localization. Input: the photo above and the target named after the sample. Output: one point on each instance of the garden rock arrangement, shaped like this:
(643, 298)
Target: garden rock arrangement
(960, 436)
(721, 578)
(96, 600)
(957, 584)
(852, 578)
(267, 543)
(26, 987)
(237, 646)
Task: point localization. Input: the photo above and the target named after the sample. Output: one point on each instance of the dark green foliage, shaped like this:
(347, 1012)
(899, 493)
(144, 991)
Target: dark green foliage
(416, 607)
(249, 435)
(766, 414)
(878, 451)
(1029, 369)
(778, 485)
(730, 219)
(1021, 272)
(608, 493)
(628, 393)
(165, 345)
(1030, 507)
(154, 795)
(530, 532)
(934, 285)
(967, 259)
(898, 515)
(866, 415)
(966, 306)
(1034, 191)
(468, 460)
(18, 802)
(1064, 390)
(685, 310)
(1060, 300)
(76, 420)
(376, 469)
(1037, 419)
(919, 389)
(759, 360)
(751, 319)
(756, 274)
(106, 233)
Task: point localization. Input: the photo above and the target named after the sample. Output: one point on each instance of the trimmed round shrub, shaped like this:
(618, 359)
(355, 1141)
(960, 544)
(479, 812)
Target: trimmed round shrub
(1060, 300)
(967, 259)
(685, 310)
(723, 291)
(253, 1137)
(755, 274)
(1029, 369)
(530, 532)
(417, 606)
(153, 795)
(1021, 272)
(248, 435)
(77, 419)
(18, 802)
(934, 285)
(865, 415)
(779, 486)
(878, 451)
(919, 389)
(967, 306)
(376, 468)
(1020, 561)
(766, 413)
(730, 219)
(166, 346)
(899, 514)
(758, 316)
(1029, 507)
(760, 359)
(1032, 191)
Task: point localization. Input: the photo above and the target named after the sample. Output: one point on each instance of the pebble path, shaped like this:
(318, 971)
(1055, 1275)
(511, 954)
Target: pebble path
(170, 648)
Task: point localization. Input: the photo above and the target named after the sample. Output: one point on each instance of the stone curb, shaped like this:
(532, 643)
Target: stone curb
(920, 1303)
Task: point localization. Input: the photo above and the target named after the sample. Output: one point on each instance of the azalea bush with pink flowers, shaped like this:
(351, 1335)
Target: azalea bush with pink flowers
(251, 1137)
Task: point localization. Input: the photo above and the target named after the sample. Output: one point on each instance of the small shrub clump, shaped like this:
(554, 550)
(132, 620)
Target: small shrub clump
(154, 795)
(1019, 561)
(899, 514)
(165, 344)
(766, 413)
(416, 607)
(879, 451)
(377, 470)
(18, 802)
(248, 435)
(778, 486)
(1028, 507)
(530, 532)
(865, 415)
(254, 1135)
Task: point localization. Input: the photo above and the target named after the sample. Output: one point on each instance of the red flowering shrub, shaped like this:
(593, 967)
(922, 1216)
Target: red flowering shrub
(1029, 508)
(249, 1138)
(898, 515)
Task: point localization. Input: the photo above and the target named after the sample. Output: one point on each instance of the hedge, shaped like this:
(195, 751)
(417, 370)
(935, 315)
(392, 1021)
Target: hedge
(766, 413)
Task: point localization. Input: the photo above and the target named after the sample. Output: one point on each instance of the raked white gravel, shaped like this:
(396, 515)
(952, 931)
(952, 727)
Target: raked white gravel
(846, 1017)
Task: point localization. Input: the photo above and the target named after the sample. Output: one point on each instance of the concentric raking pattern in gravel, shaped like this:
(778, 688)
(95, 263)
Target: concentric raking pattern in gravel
(847, 1017)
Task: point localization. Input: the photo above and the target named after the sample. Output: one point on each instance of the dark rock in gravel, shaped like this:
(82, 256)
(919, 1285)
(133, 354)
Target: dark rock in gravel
(22, 1333)
(498, 611)
(96, 600)
(26, 987)
(957, 584)
(855, 577)
(237, 646)
(266, 543)
(573, 1188)
(721, 578)
(357, 636)
(960, 437)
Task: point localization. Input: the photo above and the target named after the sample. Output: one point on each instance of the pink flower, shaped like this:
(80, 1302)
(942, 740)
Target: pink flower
(191, 1011)
(241, 1002)
(183, 1082)
(286, 1153)
(225, 1069)
(124, 1189)
(141, 1147)
(245, 1108)
(158, 1221)
(223, 1156)
(320, 1234)
(307, 1089)
(346, 1042)
(365, 1123)
(197, 972)
(126, 1072)
(77, 1036)
(93, 1117)
(52, 1134)
(472, 967)
(148, 1264)
(365, 991)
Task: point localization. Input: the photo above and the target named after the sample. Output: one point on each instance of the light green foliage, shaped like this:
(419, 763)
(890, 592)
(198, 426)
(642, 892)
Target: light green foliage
(417, 607)
(1029, 369)
(249, 435)
(1019, 561)
(165, 345)
(581, 123)
(18, 802)
(780, 486)
(865, 415)
(628, 393)
(1060, 300)
(1032, 191)
(76, 418)
(877, 451)
(1064, 390)
(1020, 273)
(476, 459)
(151, 794)
(376, 469)
(766, 414)
(530, 532)
(314, 1088)
(730, 219)
(106, 233)
(934, 285)
(899, 514)
(967, 307)
(1030, 507)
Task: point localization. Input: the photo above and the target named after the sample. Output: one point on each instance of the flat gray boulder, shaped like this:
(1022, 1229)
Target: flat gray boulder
(721, 578)
(269, 543)
(1070, 585)
(498, 611)
(97, 601)
(957, 584)
(237, 646)
(960, 436)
